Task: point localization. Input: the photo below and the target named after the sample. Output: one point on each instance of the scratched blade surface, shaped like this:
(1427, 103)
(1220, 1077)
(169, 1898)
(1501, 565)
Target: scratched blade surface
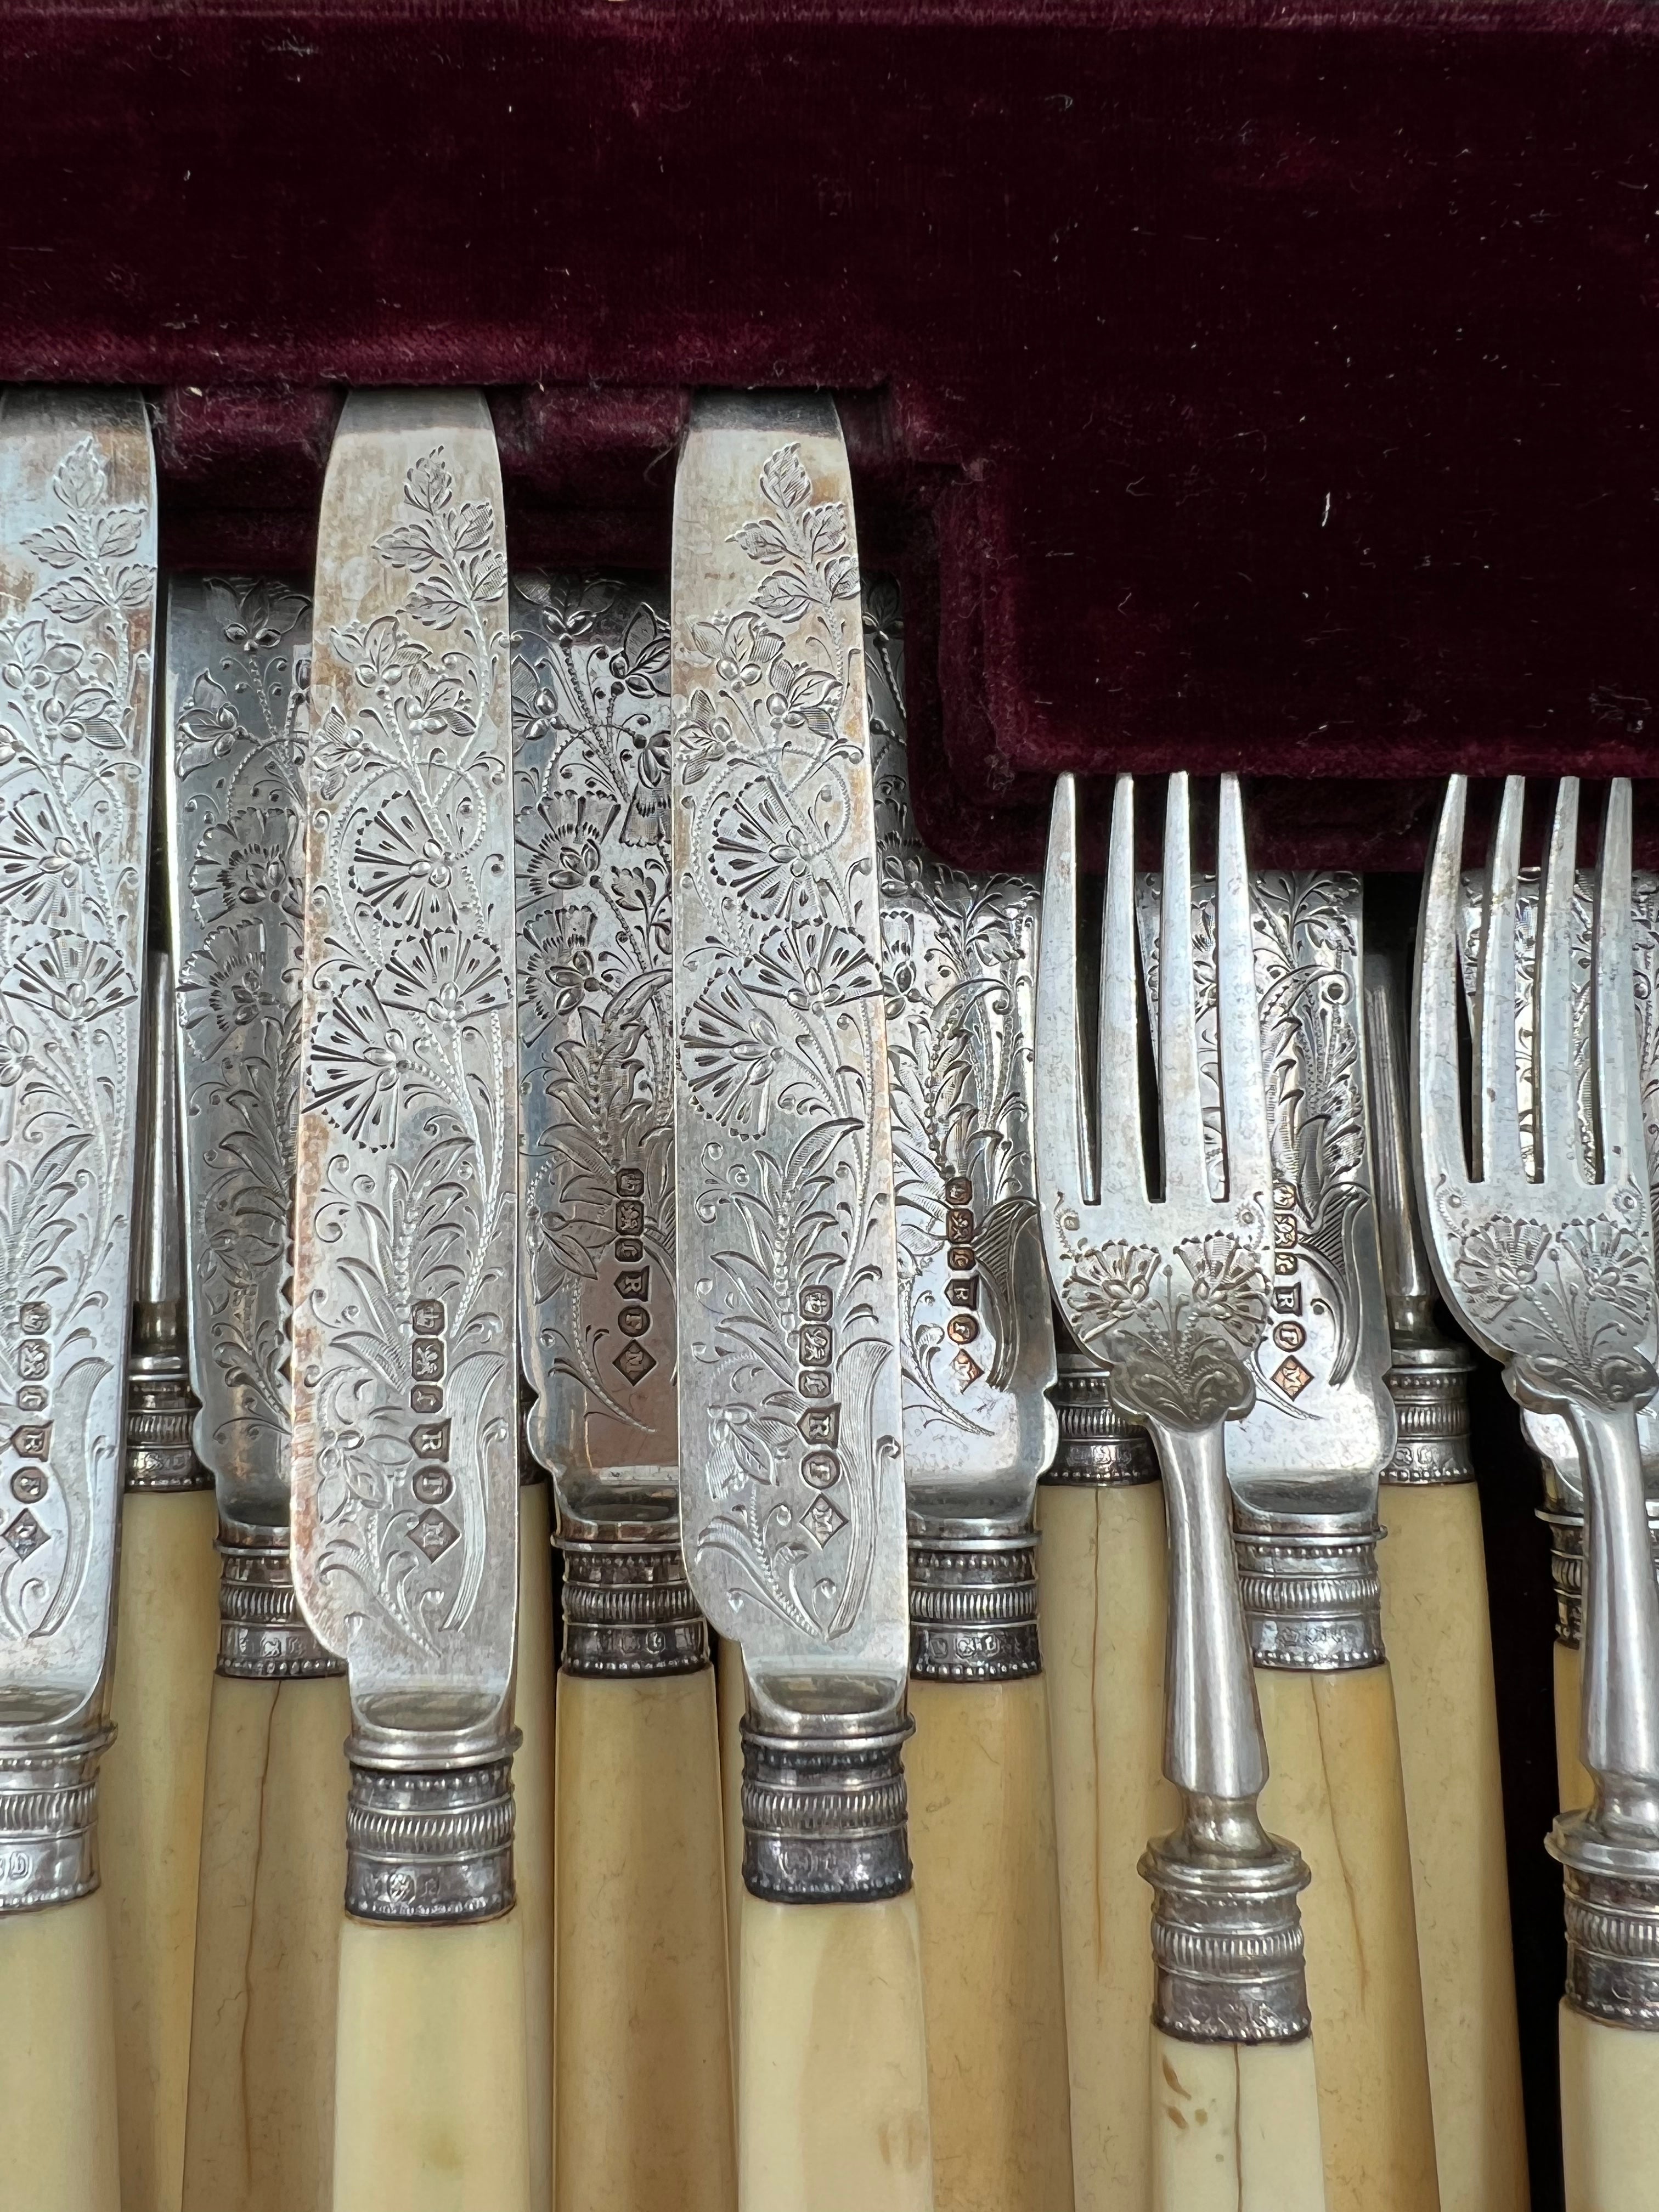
(405, 1474)
(1548, 1433)
(791, 1419)
(237, 663)
(77, 619)
(1322, 1428)
(976, 1338)
(591, 793)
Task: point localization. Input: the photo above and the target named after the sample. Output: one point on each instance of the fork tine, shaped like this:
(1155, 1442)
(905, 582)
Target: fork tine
(1243, 1095)
(1064, 1165)
(1121, 1159)
(1185, 1173)
(1613, 997)
(1497, 1085)
(1554, 1085)
(1435, 1104)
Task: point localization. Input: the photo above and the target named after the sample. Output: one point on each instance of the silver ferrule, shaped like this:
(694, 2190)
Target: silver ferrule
(1611, 1893)
(824, 1817)
(49, 1819)
(973, 1604)
(1097, 1444)
(432, 1845)
(629, 1610)
(1429, 1386)
(1312, 1598)
(263, 1635)
(160, 1412)
(1567, 1568)
(1227, 1952)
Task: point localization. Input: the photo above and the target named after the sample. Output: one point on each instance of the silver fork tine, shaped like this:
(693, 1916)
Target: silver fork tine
(1554, 1087)
(1616, 1117)
(1185, 1173)
(1063, 1149)
(1122, 1161)
(1243, 1096)
(1497, 1115)
(1436, 1100)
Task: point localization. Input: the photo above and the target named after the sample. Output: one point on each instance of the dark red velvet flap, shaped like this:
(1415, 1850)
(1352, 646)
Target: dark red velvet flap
(1234, 385)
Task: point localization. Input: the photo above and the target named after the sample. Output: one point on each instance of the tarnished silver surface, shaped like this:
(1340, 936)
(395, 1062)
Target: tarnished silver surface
(160, 1404)
(1543, 1248)
(1172, 1296)
(1428, 1374)
(596, 1108)
(78, 617)
(976, 1337)
(790, 1412)
(1097, 1445)
(1305, 1463)
(405, 1481)
(237, 664)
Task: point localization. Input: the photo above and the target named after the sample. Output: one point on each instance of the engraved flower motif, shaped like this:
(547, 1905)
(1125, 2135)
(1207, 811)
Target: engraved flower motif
(400, 870)
(360, 1059)
(805, 702)
(1615, 1266)
(1228, 1286)
(705, 736)
(243, 863)
(77, 979)
(1109, 1285)
(338, 750)
(208, 718)
(14, 1057)
(641, 663)
(813, 967)
(646, 757)
(38, 866)
(1499, 1261)
(765, 856)
(228, 979)
(560, 967)
(740, 649)
(563, 845)
(731, 1052)
(449, 977)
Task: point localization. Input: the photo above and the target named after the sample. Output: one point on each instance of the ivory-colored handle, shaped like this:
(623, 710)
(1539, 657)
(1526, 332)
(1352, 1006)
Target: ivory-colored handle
(833, 2104)
(643, 2038)
(532, 1831)
(1335, 1787)
(58, 2060)
(429, 2069)
(1609, 2116)
(1235, 2127)
(732, 1695)
(982, 1842)
(1438, 1636)
(1572, 1782)
(260, 2131)
(149, 1822)
(1101, 1603)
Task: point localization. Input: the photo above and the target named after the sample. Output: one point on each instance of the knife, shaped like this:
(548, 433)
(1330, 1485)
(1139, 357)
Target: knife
(1304, 1467)
(1438, 1634)
(976, 1350)
(406, 1480)
(77, 619)
(790, 1411)
(642, 2030)
(259, 2131)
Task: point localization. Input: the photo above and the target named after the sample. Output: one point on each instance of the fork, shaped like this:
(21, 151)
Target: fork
(1170, 1294)
(1548, 1265)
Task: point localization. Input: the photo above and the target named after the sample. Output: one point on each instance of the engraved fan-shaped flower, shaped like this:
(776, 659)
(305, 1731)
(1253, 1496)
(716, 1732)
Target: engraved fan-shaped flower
(243, 863)
(559, 967)
(765, 856)
(235, 978)
(361, 1060)
(77, 978)
(813, 967)
(401, 870)
(1175, 1341)
(561, 844)
(446, 978)
(39, 866)
(730, 1053)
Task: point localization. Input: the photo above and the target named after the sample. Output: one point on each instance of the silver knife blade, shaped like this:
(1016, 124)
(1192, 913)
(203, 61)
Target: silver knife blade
(404, 1450)
(77, 615)
(791, 1418)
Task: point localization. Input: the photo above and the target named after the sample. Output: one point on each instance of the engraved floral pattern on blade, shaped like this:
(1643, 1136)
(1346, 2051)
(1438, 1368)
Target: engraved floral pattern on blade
(76, 609)
(407, 1152)
(783, 1079)
(238, 663)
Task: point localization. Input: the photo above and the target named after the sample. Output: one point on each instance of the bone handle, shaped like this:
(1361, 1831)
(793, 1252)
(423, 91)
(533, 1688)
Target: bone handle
(731, 1693)
(60, 2156)
(1572, 1782)
(429, 2081)
(533, 1827)
(983, 1841)
(1609, 2116)
(643, 2038)
(1439, 1640)
(1336, 1786)
(150, 1823)
(1235, 2127)
(834, 2096)
(259, 2134)
(1100, 1610)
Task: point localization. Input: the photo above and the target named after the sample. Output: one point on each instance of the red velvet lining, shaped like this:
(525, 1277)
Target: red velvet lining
(1230, 393)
